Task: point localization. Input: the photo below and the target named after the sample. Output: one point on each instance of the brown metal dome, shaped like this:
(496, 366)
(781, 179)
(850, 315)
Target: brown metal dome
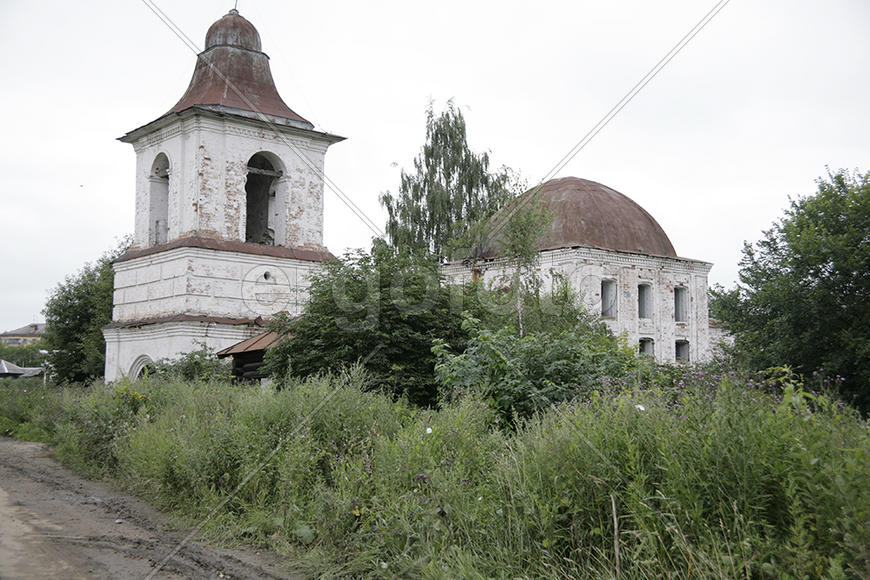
(233, 30)
(233, 74)
(589, 214)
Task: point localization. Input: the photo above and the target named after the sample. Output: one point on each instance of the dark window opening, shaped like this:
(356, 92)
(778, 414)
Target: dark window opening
(681, 350)
(681, 304)
(647, 347)
(158, 228)
(644, 301)
(258, 194)
(608, 298)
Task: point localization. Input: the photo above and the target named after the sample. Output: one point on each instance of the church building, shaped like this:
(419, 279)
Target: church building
(229, 210)
(229, 228)
(619, 260)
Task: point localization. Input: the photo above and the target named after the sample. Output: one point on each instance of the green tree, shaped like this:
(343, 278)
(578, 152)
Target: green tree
(804, 293)
(75, 314)
(520, 232)
(450, 189)
(27, 355)
(384, 309)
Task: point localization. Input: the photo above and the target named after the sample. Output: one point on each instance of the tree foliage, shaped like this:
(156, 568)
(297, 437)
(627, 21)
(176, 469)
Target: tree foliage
(383, 309)
(518, 238)
(450, 189)
(804, 292)
(201, 364)
(522, 375)
(26, 355)
(75, 314)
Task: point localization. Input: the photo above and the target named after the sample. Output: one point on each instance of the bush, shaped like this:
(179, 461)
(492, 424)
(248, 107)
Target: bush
(694, 472)
(197, 365)
(28, 409)
(522, 375)
(383, 310)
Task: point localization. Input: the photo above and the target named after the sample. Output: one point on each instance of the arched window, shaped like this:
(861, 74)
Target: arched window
(158, 201)
(260, 200)
(140, 366)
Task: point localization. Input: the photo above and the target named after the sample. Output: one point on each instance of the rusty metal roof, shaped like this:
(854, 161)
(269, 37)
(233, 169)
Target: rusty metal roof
(233, 74)
(585, 213)
(253, 344)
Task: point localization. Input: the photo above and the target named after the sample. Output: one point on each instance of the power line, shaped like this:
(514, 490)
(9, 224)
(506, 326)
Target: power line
(331, 185)
(644, 81)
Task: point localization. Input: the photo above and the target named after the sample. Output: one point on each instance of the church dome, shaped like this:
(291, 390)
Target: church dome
(232, 75)
(233, 30)
(589, 214)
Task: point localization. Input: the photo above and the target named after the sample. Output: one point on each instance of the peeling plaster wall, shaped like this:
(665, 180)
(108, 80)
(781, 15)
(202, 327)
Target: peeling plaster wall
(128, 349)
(207, 172)
(584, 268)
(199, 281)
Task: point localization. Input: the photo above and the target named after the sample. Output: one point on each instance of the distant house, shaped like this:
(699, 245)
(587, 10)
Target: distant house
(24, 335)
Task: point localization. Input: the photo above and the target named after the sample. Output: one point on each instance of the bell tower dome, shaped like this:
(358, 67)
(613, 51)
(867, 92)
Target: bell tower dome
(229, 209)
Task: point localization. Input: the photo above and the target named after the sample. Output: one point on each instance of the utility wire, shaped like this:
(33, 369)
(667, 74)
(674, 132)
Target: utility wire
(573, 152)
(644, 81)
(354, 208)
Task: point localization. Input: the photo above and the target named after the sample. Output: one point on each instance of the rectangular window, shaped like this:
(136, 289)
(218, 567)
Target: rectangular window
(647, 347)
(681, 304)
(644, 301)
(608, 298)
(682, 350)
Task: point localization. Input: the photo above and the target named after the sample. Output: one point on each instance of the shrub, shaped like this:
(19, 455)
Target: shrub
(383, 310)
(197, 365)
(521, 375)
(694, 472)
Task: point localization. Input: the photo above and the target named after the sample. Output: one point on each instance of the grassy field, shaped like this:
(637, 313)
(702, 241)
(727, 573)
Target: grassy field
(717, 476)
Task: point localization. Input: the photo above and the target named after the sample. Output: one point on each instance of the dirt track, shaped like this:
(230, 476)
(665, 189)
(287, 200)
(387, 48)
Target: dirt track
(55, 524)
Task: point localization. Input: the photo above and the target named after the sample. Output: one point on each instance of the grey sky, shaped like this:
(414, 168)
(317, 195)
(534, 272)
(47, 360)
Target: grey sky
(749, 113)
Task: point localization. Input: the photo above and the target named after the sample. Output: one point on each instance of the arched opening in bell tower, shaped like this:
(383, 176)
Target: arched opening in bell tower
(158, 194)
(260, 200)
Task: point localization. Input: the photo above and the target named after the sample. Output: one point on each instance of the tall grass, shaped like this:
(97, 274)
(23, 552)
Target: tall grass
(708, 478)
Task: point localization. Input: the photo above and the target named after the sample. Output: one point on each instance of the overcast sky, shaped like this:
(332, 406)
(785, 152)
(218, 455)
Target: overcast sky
(750, 112)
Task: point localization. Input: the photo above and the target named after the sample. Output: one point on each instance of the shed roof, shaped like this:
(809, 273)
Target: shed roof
(253, 344)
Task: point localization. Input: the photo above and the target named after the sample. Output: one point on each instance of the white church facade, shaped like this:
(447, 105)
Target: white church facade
(229, 228)
(229, 211)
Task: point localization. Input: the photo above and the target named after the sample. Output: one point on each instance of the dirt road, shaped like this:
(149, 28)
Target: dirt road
(55, 524)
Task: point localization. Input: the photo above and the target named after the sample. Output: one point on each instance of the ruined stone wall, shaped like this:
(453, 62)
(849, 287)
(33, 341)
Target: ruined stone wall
(207, 172)
(584, 269)
(205, 282)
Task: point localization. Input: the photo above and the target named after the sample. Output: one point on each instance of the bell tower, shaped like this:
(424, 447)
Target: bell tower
(229, 210)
